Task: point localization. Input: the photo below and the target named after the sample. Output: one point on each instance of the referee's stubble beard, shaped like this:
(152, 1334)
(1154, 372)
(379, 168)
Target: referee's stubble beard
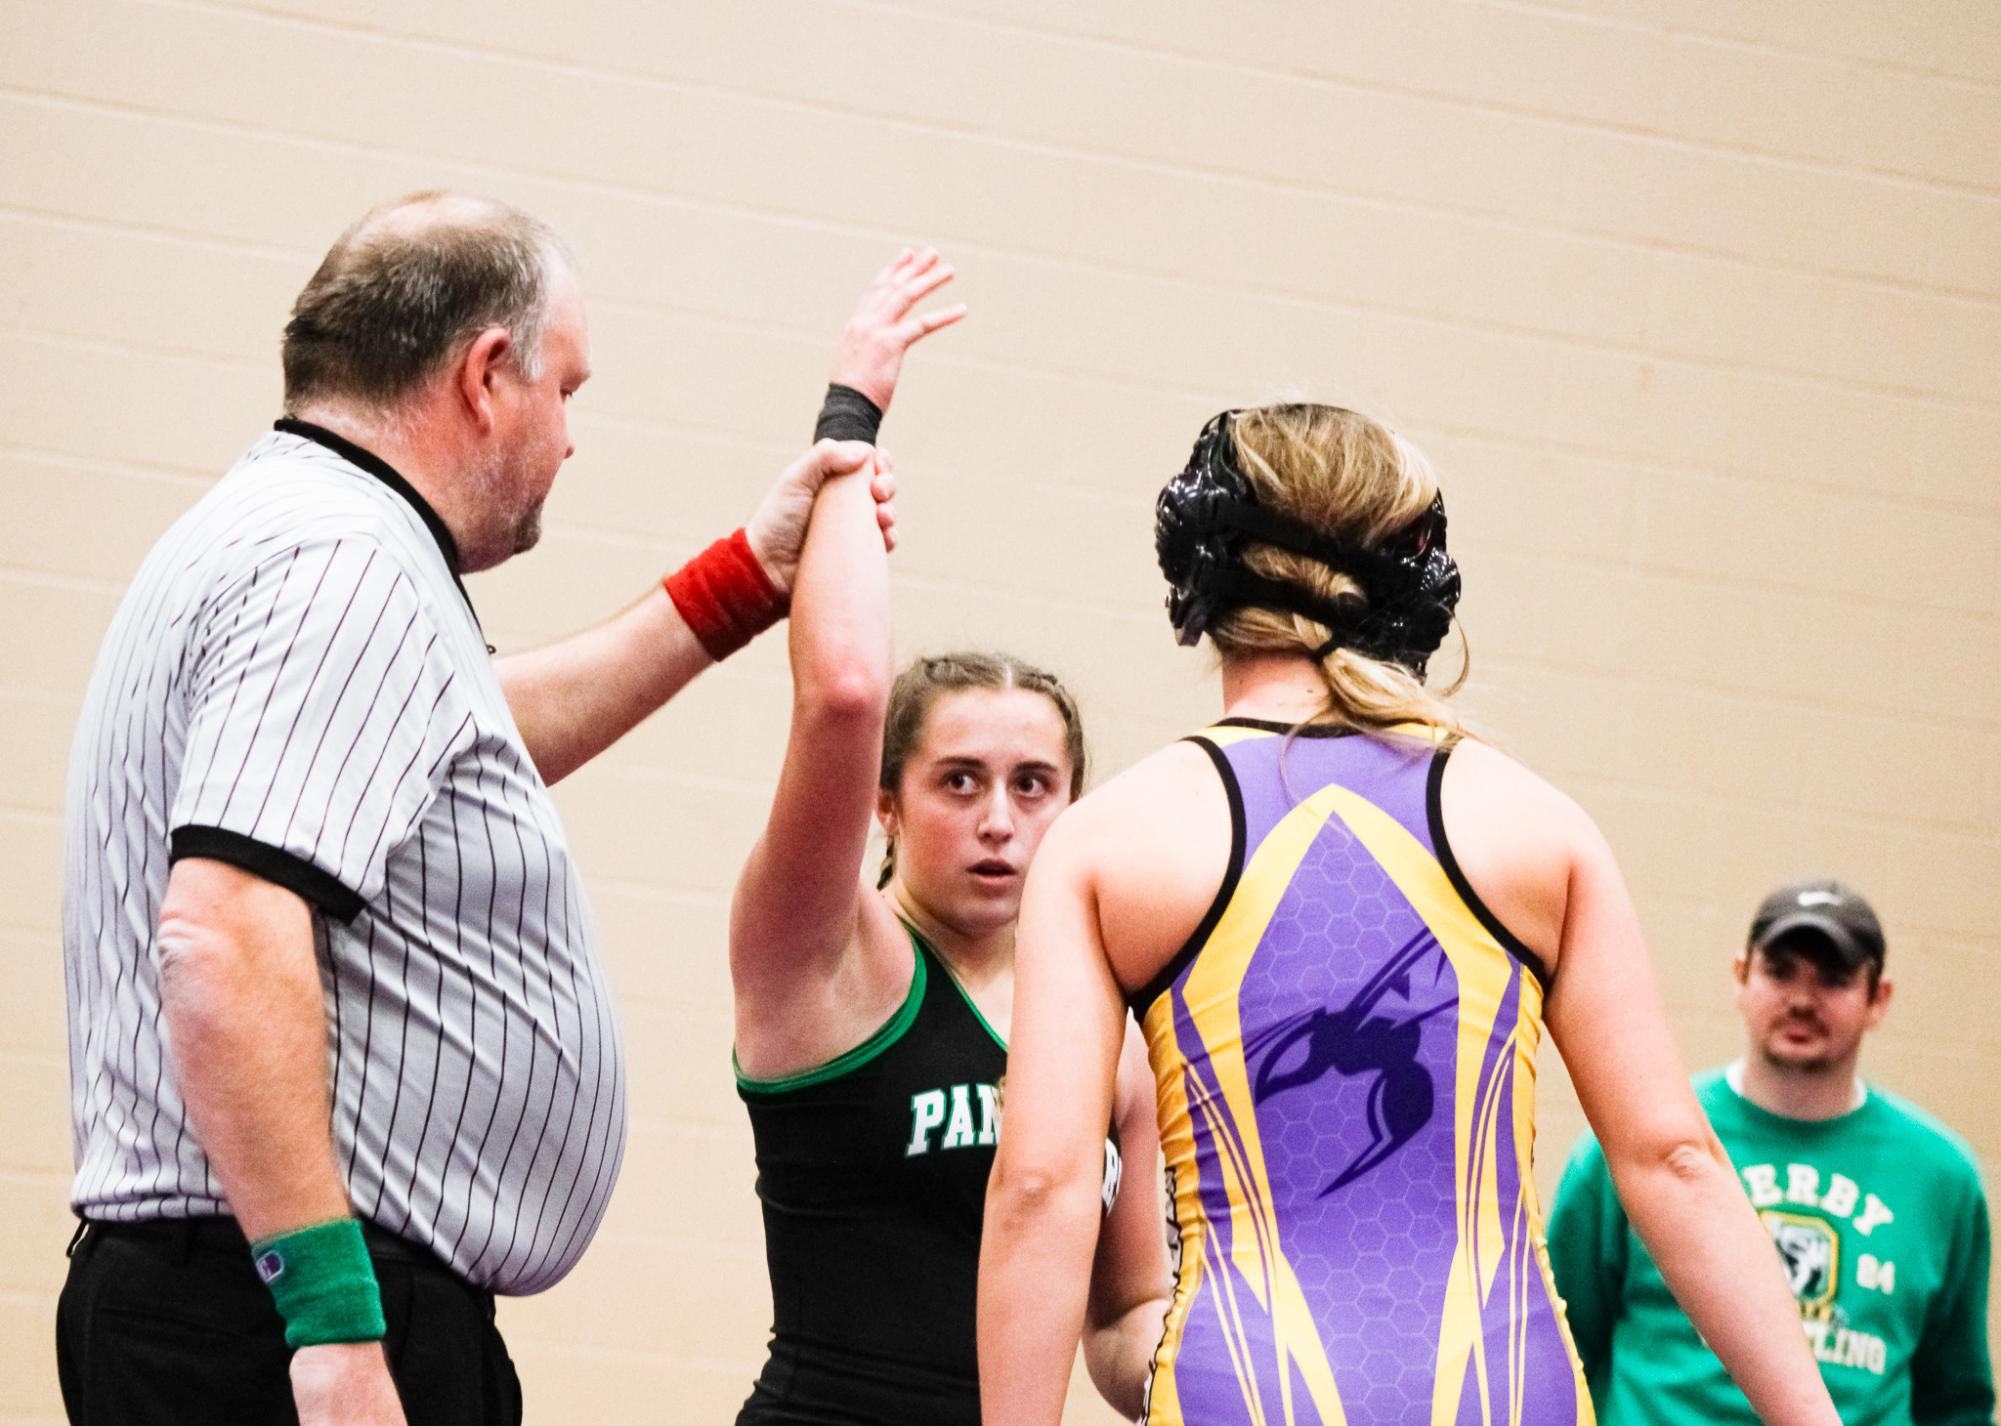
(513, 471)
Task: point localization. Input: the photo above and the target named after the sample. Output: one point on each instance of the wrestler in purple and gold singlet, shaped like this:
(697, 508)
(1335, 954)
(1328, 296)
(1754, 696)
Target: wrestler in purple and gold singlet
(1345, 1061)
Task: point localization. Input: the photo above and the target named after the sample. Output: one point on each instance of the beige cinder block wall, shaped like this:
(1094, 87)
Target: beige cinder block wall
(1696, 306)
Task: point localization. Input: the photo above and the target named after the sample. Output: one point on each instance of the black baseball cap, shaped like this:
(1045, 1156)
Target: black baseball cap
(1834, 912)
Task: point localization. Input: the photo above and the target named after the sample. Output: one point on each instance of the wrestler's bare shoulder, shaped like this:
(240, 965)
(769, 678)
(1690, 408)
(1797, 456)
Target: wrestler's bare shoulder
(1167, 791)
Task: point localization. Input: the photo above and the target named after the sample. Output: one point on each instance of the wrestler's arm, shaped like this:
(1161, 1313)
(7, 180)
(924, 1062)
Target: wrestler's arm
(240, 993)
(1043, 1199)
(798, 898)
(1607, 1017)
(1130, 1279)
(799, 906)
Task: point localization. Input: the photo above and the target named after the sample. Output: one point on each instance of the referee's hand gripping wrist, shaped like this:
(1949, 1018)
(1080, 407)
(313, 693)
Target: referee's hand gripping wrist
(742, 584)
(777, 528)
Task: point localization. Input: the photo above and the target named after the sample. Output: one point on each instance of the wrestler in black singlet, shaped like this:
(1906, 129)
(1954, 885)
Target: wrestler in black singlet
(873, 1174)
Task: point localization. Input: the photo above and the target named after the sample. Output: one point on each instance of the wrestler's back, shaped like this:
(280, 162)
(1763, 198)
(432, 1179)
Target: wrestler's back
(1344, 1052)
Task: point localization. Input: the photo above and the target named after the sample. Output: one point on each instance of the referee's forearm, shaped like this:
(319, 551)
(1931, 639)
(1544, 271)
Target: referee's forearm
(573, 699)
(240, 994)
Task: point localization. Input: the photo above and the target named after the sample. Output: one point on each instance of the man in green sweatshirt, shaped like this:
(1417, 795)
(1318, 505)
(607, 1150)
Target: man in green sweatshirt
(1875, 1208)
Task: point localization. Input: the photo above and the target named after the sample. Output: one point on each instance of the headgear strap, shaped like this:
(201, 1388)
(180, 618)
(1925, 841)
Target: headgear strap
(1207, 514)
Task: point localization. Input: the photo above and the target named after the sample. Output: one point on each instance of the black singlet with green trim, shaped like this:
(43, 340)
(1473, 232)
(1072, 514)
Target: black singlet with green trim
(873, 1172)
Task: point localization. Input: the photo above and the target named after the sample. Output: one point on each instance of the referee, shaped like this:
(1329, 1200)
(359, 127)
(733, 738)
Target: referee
(343, 1060)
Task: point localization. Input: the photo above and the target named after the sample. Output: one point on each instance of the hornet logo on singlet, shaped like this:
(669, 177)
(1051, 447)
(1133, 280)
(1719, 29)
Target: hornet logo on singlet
(1355, 1041)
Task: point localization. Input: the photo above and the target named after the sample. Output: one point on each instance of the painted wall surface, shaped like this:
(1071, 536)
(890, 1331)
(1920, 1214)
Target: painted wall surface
(1695, 306)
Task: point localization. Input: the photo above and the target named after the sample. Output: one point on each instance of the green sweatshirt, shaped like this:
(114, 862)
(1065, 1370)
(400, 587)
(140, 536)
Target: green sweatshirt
(1880, 1221)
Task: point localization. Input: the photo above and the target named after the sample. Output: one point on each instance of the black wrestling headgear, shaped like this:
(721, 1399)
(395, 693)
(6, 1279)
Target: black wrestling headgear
(1206, 515)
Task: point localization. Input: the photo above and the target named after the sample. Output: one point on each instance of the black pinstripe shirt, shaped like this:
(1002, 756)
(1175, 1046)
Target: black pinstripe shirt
(296, 684)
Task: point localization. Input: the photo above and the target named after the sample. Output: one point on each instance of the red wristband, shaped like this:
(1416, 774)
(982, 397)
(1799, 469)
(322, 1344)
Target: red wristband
(725, 596)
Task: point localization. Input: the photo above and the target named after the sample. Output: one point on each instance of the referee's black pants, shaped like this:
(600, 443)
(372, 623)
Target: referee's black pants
(167, 1323)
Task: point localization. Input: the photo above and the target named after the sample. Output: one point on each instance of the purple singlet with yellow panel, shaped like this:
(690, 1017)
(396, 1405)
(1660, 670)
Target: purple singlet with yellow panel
(1345, 1060)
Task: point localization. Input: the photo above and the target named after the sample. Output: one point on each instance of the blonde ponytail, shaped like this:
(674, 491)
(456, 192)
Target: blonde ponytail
(1354, 479)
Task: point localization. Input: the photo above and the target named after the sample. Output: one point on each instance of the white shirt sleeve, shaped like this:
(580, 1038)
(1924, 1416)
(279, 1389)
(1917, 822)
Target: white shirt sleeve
(322, 713)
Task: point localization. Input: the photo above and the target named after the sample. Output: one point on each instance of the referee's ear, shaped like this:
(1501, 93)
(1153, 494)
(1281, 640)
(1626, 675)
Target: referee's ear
(486, 358)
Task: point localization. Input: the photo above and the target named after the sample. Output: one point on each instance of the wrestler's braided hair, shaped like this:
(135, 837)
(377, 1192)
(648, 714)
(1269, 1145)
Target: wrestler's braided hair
(1354, 479)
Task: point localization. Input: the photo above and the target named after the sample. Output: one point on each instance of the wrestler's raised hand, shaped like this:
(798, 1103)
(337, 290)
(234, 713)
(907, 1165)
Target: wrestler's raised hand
(777, 529)
(345, 1384)
(883, 327)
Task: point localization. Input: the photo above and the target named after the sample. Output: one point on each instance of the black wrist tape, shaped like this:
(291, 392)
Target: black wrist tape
(847, 415)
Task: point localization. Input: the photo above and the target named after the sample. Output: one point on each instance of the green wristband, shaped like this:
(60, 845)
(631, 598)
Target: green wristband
(323, 1283)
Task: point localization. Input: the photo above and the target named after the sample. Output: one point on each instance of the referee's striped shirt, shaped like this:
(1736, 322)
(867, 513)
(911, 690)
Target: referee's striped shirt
(296, 684)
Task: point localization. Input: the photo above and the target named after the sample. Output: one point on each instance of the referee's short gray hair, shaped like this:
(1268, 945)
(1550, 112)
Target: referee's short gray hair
(405, 288)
